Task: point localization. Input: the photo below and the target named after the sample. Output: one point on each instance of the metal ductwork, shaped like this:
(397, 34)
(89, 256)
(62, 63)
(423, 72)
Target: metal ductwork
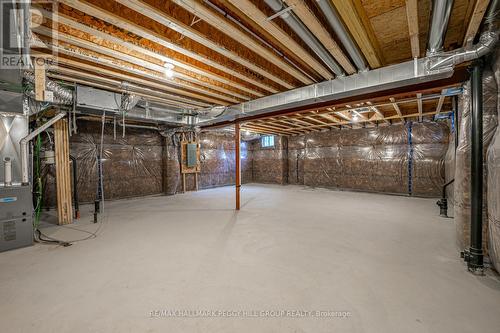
(62, 95)
(441, 11)
(345, 38)
(298, 27)
(486, 44)
(385, 78)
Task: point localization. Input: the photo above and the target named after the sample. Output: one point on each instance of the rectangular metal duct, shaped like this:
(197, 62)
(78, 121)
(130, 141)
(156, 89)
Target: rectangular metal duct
(394, 76)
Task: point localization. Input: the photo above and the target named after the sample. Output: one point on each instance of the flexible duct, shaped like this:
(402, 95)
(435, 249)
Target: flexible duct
(62, 95)
(298, 27)
(338, 27)
(486, 44)
(441, 11)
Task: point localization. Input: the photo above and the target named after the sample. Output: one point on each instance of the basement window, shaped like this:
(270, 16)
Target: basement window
(267, 141)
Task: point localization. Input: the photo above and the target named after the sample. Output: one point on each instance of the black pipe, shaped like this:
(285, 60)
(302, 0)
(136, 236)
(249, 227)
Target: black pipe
(474, 256)
(443, 202)
(75, 186)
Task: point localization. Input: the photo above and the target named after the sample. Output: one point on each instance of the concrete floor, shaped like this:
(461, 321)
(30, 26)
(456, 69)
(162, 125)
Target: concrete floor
(389, 261)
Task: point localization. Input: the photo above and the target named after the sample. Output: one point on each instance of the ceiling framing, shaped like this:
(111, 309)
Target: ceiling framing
(226, 52)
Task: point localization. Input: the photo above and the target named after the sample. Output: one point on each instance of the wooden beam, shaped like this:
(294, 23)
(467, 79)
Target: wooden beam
(63, 179)
(475, 21)
(157, 38)
(254, 13)
(39, 79)
(191, 33)
(378, 113)
(359, 26)
(396, 107)
(109, 41)
(229, 29)
(440, 102)
(412, 17)
(313, 24)
(237, 143)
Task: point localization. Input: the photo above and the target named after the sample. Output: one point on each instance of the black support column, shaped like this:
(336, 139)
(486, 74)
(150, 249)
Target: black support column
(475, 260)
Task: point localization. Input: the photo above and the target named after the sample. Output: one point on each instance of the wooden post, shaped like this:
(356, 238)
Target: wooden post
(63, 177)
(237, 142)
(39, 79)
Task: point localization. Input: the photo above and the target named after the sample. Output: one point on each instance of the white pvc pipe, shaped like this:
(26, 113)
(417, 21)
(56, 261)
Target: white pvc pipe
(7, 171)
(28, 138)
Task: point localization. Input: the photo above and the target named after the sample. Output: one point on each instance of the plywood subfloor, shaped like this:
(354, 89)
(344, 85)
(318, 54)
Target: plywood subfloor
(390, 261)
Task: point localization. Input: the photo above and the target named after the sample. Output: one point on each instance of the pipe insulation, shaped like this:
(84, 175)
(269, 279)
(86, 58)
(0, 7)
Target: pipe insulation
(441, 11)
(301, 30)
(343, 35)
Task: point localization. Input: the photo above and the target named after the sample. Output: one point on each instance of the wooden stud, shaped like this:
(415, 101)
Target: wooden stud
(419, 105)
(63, 178)
(396, 107)
(440, 102)
(39, 79)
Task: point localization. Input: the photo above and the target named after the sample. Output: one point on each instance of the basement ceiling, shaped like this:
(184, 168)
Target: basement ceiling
(225, 52)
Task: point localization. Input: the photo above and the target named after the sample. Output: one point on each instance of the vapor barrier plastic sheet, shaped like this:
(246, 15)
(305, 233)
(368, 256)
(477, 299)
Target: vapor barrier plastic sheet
(493, 163)
(270, 165)
(372, 159)
(132, 166)
(218, 159)
(462, 193)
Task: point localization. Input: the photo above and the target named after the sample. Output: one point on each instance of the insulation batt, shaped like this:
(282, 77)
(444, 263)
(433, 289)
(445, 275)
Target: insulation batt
(493, 178)
(462, 193)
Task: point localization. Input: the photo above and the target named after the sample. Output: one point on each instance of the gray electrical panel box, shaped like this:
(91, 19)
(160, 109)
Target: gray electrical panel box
(16, 217)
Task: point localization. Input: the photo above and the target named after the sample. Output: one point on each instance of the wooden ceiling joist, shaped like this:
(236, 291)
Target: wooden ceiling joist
(73, 79)
(412, 17)
(212, 97)
(254, 13)
(80, 43)
(191, 33)
(419, 106)
(396, 108)
(475, 21)
(354, 17)
(312, 23)
(129, 87)
(105, 39)
(230, 30)
(134, 28)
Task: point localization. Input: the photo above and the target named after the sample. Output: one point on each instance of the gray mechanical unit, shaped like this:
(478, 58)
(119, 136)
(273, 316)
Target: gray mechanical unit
(16, 217)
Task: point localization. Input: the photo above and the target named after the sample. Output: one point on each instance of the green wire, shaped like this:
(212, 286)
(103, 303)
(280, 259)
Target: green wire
(38, 188)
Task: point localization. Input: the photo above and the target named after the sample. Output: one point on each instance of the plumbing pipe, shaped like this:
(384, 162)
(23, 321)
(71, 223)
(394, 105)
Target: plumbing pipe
(7, 171)
(75, 186)
(443, 202)
(24, 145)
(474, 256)
(298, 27)
(333, 18)
(121, 124)
(441, 10)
